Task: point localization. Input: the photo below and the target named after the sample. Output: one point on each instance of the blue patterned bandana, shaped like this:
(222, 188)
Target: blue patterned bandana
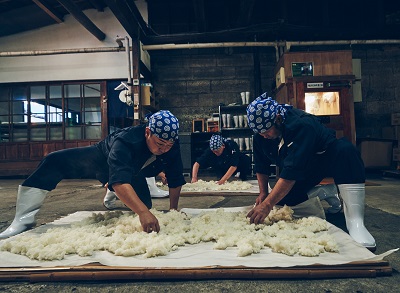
(261, 113)
(164, 125)
(216, 141)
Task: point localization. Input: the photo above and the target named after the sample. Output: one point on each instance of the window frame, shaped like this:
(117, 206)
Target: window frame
(53, 130)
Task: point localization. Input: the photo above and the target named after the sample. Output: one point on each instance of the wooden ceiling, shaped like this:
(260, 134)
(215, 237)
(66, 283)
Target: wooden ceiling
(182, 21)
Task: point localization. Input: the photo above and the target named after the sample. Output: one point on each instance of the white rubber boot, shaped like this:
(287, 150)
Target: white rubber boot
(109, 200)
(29, 201)
(353, 196)
(155, 192)
(329, 193)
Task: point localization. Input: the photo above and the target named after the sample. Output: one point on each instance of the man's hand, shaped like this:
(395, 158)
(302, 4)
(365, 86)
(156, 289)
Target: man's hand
(258, 214)
(149, 222)
(194, 180)
(128, 196)
(221, 181)
(163, 178)
(260, 199)
(264, 204)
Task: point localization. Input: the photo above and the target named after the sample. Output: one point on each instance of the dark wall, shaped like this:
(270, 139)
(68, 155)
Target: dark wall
(191, 83)
(380, 70)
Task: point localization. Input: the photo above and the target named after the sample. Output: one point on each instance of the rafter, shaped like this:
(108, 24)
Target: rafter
(124, 17)
(139, 19)
(46, 7)
(77, 13)
(99, 5)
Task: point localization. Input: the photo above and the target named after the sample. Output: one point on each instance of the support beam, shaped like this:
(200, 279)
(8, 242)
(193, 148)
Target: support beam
(138, 17)
(46, 7)
(123, 15)
(77, 13)
(99, 5)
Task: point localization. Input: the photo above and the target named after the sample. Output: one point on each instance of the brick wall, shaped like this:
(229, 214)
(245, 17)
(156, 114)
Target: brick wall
(192, 83)
(380, 84)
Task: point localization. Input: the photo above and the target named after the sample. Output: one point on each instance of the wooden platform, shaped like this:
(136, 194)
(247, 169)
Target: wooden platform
(94, 272)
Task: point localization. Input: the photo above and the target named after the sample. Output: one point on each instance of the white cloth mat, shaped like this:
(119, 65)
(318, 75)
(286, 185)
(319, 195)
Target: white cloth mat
(200, 255)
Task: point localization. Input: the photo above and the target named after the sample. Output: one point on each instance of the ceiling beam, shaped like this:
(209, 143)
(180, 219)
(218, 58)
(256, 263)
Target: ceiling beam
(123, 15)
(138, 16)
(99, 5)
(46, 7)
(77, 13)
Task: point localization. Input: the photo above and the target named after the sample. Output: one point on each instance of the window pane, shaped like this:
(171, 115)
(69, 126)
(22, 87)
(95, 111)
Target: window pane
(38, 133)
(4, 94)
(55, 92)
(55, 133)
(92, 117)
(18, 105)
(20, 132)
(4, 119)
(73, 111)
(72, 105)
(38, 112)
(54, 116)
(21, 117)
(92, 90)
(92, 104)
(73, 133)
(72, 91)
(19, 94)
(38, 92)
(4, 132)
(93, 132)
(4, 109)
(54, 111)
(56, 103)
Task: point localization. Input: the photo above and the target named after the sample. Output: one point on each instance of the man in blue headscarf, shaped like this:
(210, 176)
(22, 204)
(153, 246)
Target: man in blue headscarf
(123, 159)
(305, 152)
(225, 158)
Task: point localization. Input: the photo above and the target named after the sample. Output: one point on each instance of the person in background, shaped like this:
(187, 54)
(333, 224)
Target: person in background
(306, 152)
(123, 159)
(225, 159)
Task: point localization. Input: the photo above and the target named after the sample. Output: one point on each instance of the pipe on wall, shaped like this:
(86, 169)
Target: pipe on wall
(61, 51)
(279, 47)
(286, 44)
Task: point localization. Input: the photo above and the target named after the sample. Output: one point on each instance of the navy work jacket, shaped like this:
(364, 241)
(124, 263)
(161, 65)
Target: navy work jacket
(229, 157)
(127, 153)
(304, 137)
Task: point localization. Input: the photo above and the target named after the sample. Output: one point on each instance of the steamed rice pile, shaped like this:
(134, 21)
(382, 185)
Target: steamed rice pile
(121, 234)
(202, 185)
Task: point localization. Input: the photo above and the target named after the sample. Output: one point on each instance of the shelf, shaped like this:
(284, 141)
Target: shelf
(237, 113)
(236, 128)
(233, 107)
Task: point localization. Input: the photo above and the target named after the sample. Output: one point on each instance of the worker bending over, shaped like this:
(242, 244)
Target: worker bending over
(306, 152)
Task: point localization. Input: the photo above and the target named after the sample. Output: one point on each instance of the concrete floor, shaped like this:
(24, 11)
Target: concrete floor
(382, 218)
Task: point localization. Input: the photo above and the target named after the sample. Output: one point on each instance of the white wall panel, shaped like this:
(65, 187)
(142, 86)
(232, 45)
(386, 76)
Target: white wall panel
(68, 35)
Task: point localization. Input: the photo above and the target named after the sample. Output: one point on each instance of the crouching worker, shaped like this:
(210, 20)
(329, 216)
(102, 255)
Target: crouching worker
(306, 153)
(225, 158)
(123, 159)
